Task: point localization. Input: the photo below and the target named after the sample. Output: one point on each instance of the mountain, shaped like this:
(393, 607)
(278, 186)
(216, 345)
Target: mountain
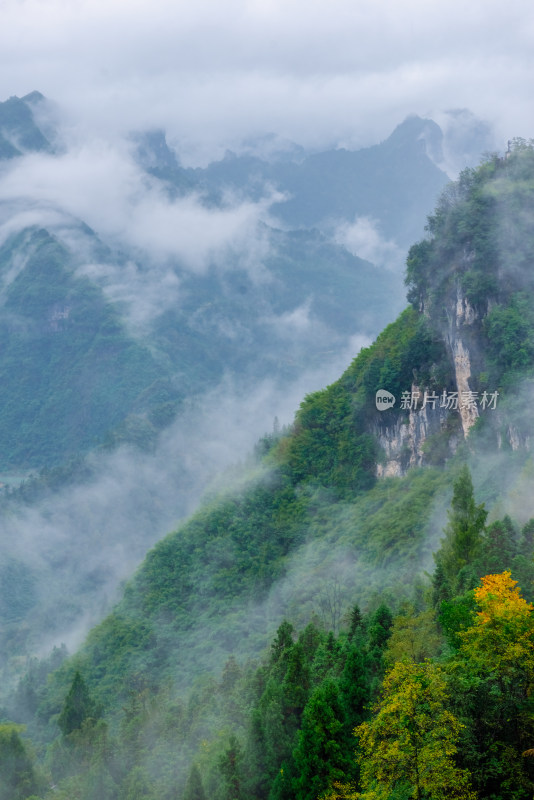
(313, 532)
(19, 132)
(395, 182)
(71, 373)
(126, 367)
(272, 309)
(91, 380)
(109, 350)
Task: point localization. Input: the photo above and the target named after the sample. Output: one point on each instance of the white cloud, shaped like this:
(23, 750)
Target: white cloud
(318, 72)
(100, 183)
(103, 186)
(362, 239)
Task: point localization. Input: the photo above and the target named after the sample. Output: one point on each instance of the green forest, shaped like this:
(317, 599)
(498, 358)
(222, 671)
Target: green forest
(314, 631)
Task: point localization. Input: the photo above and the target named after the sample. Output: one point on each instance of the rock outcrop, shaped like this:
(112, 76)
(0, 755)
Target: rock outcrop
(461, 318)
(403, 438)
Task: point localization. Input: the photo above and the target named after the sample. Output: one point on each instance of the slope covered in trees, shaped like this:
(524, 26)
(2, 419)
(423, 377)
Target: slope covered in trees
(433, 677)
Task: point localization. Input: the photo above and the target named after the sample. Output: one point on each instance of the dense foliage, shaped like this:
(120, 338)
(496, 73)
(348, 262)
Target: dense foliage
(391, 706)
(480, 246)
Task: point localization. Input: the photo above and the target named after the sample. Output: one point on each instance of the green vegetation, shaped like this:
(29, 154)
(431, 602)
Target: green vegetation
(18, 777)
(332, 444)
(391, 706)
(381, 681)
(71, 375)
(481, 242)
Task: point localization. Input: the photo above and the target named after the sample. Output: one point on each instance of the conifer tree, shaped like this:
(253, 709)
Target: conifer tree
(378, 633)
(230, 766)
(323, 753)
(296, 684)
(379, 629)
(499, 547)
(527, 539)
(354, 688)
(463, 539)
(283, 642)
(77, 708)
(355, 621)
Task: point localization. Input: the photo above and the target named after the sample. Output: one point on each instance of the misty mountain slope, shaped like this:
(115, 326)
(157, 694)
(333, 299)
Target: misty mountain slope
(203, 327)
(394, 183)
(274, 311)
(377, 181)
(313, 515)
(70, 371)
(86, 380)
(318, 505)
(309, 298)
(108, 344)
(145, 322)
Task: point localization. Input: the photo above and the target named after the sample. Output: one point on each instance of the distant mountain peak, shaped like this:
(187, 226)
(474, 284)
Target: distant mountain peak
(419, 129)
(152, 150)
(19, 132)
(33, 97)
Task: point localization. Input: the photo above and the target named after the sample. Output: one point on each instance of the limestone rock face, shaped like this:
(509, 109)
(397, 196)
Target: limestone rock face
(402, 441)
(403, 438)
(461, 319)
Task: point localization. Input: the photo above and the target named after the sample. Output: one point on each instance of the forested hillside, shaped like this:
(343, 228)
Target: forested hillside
(155, 319)
(124, 339)
(317, 631)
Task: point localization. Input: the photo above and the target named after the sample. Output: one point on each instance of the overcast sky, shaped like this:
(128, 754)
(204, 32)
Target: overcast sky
(316, 71)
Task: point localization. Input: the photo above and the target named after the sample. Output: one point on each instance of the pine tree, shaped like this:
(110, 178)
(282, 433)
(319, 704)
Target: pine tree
(441, 588)
(296, 684)
(283, 642)
(323, 753)
(499, 547)
(463, 536)
(354, 688)
(230, 767)
(378, 633)
(355, 621)
(379, 629)
(77, 708)
(527, 539)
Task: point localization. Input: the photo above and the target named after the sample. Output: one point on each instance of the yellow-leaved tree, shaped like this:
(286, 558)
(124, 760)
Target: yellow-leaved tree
(501, 640)
(493, 676)
(408, 747)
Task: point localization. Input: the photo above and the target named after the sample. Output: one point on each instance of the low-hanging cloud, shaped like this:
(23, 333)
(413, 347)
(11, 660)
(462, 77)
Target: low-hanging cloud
(91, 536)
(153, 239)
(102, 185)
(362, 238)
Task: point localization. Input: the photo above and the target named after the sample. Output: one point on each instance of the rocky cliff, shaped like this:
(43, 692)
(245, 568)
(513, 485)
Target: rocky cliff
(449, 412)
